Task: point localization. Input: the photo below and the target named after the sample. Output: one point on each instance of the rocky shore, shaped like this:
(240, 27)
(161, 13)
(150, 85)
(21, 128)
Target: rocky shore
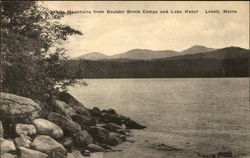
(60, 128)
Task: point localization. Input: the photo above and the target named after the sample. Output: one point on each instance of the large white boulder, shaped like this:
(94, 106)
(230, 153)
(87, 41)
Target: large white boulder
(63, 108)
(23, 141)
(46, 127)
(46, 144)
(28, 153)
(25, 129)
(1, 129)
(69, 127)
(18, 108)
(6, 146)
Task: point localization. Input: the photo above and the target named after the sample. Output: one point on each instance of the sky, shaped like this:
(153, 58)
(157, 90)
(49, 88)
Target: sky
(117, 33)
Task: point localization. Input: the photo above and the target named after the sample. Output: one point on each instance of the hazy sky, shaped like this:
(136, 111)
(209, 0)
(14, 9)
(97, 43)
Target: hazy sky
(117, 33)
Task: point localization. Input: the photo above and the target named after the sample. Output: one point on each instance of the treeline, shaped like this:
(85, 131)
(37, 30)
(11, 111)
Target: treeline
(236, 67)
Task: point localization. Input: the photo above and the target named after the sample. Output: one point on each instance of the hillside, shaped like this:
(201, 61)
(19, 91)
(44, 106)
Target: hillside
(220, 54)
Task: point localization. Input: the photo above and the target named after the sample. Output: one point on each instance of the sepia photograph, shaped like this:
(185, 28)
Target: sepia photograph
(124, 79)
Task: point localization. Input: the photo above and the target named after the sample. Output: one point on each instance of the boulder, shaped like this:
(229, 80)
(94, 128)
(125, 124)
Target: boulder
(68, 143)
(83, 120)
(82, 139)
(17, 108)
(82, 111)
(1, 129)
(86, 153)
(70, 155)
(75, 154)
(96, 111)
(95, 148)
(130, 124)
(98, 131)
(8, 155)
(46, 144)
(6, 146)
(115, 119)
(69, 127)
(25, 129)
(69, 99)
(123, 132)
(111, 111)
(116, 138)
(28, 153)
(99, 134)
(23, 141)
(63, 108)
(46, 127)
(117, 128)
(113, 128)
(57, 154)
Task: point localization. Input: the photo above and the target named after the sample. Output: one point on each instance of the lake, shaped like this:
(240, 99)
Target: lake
(198, 115)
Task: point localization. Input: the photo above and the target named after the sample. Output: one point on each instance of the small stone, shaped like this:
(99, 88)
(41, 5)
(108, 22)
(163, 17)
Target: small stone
(68, 143)
(116, 138)
(86, 153)
(6, 146)
(95, 148)
(25, 129)
(23, 141)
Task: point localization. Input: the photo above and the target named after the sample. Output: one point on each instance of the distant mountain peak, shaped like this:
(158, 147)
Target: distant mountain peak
(197, 49)
(197, 45)
(144, 54)
(93, 56)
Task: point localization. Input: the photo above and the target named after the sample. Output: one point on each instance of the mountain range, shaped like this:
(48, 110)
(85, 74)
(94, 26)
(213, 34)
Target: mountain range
(224, 62)
(146, 54)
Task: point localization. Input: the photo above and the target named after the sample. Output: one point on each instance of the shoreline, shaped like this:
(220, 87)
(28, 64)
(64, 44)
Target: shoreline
(64, 127)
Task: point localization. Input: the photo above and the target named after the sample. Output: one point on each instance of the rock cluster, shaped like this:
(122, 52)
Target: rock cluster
(70, 130)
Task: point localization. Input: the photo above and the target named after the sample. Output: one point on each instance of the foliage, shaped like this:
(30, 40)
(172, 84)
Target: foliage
(28, 34)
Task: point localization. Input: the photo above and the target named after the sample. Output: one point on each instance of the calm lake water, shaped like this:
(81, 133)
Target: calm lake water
(197, 115)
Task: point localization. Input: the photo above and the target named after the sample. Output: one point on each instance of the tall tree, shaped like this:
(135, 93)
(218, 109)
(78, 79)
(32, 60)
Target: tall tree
(28, 67)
